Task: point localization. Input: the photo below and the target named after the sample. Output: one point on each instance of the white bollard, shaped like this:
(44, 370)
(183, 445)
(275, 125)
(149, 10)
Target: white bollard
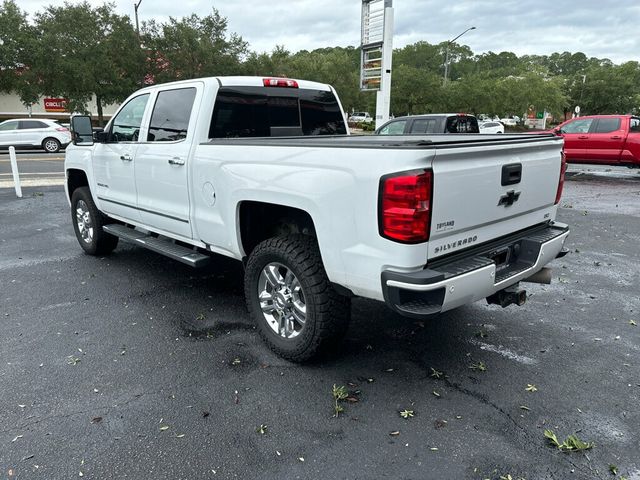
(14, 170)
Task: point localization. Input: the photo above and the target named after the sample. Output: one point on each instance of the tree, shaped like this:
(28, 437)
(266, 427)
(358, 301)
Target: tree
(608, 89)
(17, 46)
(415, 91)
(192, 47)
(100, 55)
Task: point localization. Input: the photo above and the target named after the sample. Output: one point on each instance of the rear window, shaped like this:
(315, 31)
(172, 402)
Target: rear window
(461, 124)
(424, 125)
(266, 112)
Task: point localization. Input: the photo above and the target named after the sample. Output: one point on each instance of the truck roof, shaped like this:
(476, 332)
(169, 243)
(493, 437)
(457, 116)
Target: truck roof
(244, 81)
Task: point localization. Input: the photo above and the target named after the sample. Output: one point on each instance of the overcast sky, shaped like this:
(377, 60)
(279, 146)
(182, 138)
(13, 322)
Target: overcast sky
(598, 28)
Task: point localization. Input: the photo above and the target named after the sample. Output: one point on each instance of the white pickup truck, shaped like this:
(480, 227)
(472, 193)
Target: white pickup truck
(425, 224)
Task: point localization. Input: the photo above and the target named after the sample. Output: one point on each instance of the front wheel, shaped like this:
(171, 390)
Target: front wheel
(288, 293)
(51, 145)
(87, 223)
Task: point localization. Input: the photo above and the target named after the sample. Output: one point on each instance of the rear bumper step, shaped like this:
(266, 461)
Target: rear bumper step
(464, 280)
(163, 246)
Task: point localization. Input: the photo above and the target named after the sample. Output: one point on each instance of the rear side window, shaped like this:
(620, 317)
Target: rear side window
(9, 126)
(461, 124)
(424, 125)
(393, 128)
(264, 112)
(578, 126)
(171, 113)
(31, 124)
(606, 125)
(634, 126)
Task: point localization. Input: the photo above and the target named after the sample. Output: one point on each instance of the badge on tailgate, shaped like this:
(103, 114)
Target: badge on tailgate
(509, 198)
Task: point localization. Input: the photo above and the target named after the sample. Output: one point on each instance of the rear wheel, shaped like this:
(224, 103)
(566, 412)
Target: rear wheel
(51, 145)
(288, 293)
(87, 223)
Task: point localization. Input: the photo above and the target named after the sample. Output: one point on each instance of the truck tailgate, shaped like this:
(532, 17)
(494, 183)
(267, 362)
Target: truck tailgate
(486, 190)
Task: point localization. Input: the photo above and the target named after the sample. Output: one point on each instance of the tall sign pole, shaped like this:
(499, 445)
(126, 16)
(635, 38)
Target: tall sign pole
(376, 54)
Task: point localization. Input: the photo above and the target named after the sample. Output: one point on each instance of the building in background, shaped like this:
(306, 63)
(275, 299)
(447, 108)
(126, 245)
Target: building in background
(47, 107)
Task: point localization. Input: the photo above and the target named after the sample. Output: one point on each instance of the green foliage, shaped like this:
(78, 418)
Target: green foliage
(339, 394)
(571, 444)
(100, 55)
(192, 47)
(406, 414)
(17, 39)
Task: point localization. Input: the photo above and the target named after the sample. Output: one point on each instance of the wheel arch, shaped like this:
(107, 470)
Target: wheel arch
(76, 178)
(259, 221)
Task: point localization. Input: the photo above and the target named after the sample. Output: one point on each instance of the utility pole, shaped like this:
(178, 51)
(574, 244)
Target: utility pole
(577, 110)
(446, 58)
(135, 7)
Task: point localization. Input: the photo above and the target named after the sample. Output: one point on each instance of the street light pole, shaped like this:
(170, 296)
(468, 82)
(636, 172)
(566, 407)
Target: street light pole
(135, 7)
(446, 59)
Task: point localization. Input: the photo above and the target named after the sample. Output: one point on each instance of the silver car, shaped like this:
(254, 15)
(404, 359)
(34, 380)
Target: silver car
(36, 133)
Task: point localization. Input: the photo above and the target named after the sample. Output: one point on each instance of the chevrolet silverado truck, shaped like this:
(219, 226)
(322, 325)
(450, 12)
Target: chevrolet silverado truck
(262, 170)
(602, 139)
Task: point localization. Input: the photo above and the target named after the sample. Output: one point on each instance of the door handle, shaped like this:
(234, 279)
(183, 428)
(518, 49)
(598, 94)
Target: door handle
(583, 137)
(176, 161)
(126, 157)
(616, 137)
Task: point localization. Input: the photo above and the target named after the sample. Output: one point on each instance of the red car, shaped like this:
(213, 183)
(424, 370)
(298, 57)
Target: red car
(604, 139)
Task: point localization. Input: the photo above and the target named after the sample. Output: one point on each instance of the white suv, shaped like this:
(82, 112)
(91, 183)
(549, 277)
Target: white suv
(30, 132)
(361, 117)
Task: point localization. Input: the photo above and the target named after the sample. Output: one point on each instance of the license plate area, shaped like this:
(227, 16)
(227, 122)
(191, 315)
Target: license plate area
(504, 256)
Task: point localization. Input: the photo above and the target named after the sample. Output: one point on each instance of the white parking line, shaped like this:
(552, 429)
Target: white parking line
(31, 159)
(33, 182)
(53, 174)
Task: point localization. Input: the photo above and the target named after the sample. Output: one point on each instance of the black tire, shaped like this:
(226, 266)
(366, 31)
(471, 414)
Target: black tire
(98, 242)
(51, 145)
(327, 312)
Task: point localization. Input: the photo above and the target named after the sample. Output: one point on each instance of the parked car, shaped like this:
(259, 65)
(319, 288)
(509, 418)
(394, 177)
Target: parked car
(510, 121)
(360, 117)
(29, 133)
(603, 139)
(431, 123)
(491, 127)
(315, 218)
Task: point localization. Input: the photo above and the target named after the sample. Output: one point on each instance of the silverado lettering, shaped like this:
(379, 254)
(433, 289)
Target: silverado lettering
(455, 244)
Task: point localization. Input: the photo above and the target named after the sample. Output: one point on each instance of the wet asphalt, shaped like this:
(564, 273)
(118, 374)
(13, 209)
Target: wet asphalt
(133, 366)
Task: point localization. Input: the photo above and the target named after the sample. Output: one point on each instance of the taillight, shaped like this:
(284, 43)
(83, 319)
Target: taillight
(563, 170)
(62, 129)
(405, 206)
(279, 82)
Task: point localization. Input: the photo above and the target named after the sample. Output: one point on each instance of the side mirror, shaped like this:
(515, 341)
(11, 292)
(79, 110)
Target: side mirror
(81, 130)
(557, 131)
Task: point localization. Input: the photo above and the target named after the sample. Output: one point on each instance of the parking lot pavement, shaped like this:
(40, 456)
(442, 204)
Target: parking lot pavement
(132, 366)
(35, 169)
